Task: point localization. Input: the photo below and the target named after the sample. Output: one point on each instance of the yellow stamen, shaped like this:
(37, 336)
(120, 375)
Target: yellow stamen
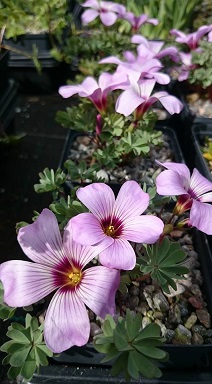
(110, 230)
(75, 277)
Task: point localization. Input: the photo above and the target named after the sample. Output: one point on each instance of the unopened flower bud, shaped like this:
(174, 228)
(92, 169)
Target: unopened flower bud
(168, 228)
(183, 204)
(184, 223)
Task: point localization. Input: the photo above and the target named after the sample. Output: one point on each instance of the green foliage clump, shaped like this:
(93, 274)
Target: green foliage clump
(50, 181)
(164, 263)
(177, 14)
(202, 74)
(135, 351)
(22, 16)
(26, 351)
(6, 312)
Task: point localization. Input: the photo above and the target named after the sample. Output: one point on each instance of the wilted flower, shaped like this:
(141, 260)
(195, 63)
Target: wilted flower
(195, 192)
(112, 223)
(96, 91)
(106, 10)
(137, 97)
(59, 265)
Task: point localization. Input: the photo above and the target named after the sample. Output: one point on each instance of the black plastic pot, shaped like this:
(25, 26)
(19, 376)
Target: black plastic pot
(167, 130)
(201, 130)
(190, 364)
(182, 122)
(24, 43)
(22, 69)
(8, 100)
(4, 59)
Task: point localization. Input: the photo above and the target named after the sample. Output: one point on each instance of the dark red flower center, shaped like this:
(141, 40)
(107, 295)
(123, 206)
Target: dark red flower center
(67, 275)
(112, 226)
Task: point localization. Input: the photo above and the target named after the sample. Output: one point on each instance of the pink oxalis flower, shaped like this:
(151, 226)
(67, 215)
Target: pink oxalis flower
(137, 97)
(96, 91)
(137, 21)
(186, 66)
(138, 68)
(191, 39)
(153, 49)
(112, 222)
(106, 10)
(59, 266)
(195, 192)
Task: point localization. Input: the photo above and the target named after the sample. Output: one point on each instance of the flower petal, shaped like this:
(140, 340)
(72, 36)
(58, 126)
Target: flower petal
(81, 254)
(146, 87)
(98, 288)
(91, 3)
(119, 255)
(161, 78)
(89, 15)
(143, 229)
(41, 241)
(25, 283)
(170, 103)
(66, 322)
(88, 87)
(87, 229)
(98, 198)
(200, 216)
(69, 90)
(131, 201)
(201, 32)
(111, 60)
(156, 46)
(169, 51)
(108, 18)
(128, 101)
(182, 169)
(200, 185)
(139, 39)
(170, 183)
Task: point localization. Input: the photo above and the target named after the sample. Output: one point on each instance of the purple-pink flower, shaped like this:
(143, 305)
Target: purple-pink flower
(112, 222)
(58, 265)
(96, 91)
(195, 192)
(137, 97)
(153, 49)
(138, 68)
(106, 10)
(137, 21)
(186, 66)
(191, 39)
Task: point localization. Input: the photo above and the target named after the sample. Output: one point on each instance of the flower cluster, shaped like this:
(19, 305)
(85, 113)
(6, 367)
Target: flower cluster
(63, 264)
(86, 250)
(192, 44)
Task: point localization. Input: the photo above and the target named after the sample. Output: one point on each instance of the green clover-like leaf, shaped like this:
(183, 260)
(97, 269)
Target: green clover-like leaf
(164, 263)
(50, 180)
(26, 350)
(134, 349)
